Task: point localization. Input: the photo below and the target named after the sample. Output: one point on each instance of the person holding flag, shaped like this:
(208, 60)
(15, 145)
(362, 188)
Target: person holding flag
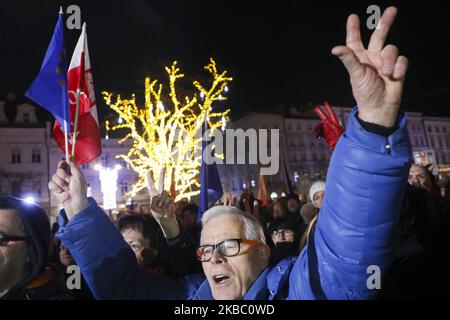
(365, 186)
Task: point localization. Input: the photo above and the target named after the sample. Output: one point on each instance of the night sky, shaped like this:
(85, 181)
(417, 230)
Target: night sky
(277, 51)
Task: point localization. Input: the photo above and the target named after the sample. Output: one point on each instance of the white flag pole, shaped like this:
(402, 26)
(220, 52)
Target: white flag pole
(75, 127)
(66, 136)
(66, 140)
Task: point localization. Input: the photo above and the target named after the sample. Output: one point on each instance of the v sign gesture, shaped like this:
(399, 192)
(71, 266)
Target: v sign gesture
(161, 206)
(377, 73)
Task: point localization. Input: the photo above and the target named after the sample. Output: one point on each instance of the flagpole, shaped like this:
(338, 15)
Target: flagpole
(75, 128)
(206, 166)
(66, 140)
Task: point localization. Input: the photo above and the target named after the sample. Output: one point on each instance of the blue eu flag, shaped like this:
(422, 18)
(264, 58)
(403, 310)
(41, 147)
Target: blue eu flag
(210, 186)
(49, 88)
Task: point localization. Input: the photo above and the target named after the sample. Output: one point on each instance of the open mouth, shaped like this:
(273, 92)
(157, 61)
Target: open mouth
(220, 279)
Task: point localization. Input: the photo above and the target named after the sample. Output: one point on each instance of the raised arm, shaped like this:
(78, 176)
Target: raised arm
(366, 177)
(105, 259)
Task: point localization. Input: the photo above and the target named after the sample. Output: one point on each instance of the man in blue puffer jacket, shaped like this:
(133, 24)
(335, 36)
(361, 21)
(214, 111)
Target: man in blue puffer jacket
(365, 186)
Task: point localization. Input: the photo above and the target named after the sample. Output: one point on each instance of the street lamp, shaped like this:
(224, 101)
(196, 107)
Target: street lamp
(108, 180)
(273, 196)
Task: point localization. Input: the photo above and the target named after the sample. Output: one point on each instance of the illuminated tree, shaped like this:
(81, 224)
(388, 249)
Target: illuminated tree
(167, 131)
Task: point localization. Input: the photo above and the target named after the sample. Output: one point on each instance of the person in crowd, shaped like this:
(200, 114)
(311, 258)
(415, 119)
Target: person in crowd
(247, 201)
(284, 240)
(421, 243)
(53, 251)
(144, 237)
(278, 209)
(353, 231)
(303, 198)
(293, 213)
(308, 212)
(188, 215)
(317, 193)
(24, 249)
(65, 260)
(65, 257)
(444, 188)
(141, 232)
(419, 177)
(293, 205)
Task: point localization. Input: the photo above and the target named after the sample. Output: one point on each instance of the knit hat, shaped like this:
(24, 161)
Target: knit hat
(316, 187)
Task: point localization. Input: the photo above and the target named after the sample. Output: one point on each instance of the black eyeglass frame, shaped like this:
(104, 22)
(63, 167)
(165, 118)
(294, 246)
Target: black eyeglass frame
(6, 238)
(199, 251)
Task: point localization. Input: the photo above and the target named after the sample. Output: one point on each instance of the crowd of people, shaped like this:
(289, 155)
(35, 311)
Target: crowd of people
(420, 249)
(374, 209)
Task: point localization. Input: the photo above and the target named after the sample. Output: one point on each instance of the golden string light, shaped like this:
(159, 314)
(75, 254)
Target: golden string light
(167, 131)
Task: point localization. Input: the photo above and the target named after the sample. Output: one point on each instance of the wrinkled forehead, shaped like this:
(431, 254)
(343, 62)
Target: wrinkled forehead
(132, 234)
(415, 169)
(221, 228)
(10, 221)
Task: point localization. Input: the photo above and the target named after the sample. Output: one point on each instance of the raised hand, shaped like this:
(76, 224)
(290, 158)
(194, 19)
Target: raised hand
(162, 206)
(68, 186)
(377, 73)
(228, 199)
(329, 128)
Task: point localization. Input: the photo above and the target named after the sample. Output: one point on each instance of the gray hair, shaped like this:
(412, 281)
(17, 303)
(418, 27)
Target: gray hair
(253, 230)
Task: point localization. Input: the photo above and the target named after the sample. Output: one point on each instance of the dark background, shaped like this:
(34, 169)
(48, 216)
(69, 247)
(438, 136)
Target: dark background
(278, 52)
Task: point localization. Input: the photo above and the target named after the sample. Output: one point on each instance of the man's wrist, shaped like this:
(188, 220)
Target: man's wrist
(169, 227)
(71, 211)
(385, 117)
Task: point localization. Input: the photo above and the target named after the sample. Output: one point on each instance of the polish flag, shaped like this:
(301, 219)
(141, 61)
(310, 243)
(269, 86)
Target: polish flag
(79, 76)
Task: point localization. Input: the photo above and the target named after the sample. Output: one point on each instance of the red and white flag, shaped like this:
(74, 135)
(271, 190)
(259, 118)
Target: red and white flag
(88, 144)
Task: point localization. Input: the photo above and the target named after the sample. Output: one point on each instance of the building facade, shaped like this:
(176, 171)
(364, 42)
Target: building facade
(24, 164)
(29, 155)
(306, 158)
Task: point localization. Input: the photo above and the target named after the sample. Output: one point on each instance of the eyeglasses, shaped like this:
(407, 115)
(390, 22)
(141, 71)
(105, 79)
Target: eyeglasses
(285, 232)
(6, 238)
(226, 248)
